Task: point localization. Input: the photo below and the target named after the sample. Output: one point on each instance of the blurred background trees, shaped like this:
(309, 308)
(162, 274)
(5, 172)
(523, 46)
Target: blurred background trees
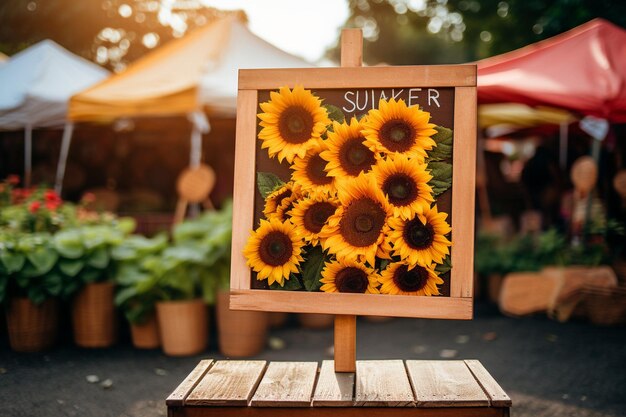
(116, 32)
(112, 33)
(454, 31)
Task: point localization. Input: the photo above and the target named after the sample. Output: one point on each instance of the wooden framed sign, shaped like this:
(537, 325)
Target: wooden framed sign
(354, 191)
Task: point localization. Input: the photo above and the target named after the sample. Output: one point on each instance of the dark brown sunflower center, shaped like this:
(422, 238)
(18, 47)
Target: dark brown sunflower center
(316, 215)
(280, 197)
(401, 189)
(356, 157)
(418, 235)
(275, 248)
(351, 279)
(362, 222)
(295, 124)
(410, 280)
(315, 171)
(397, 135)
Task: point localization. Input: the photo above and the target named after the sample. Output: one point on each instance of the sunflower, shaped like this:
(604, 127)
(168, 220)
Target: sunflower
(356, 230)
(347, 155)
(420, 239)
(349, 276)
(311, 213)
(309, 172)
(275, 201)
(394, 127)
(401, 278)
(405, 183)
(291, 121)
(273, 251)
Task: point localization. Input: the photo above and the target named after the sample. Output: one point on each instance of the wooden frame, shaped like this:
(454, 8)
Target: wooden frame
(459, 304)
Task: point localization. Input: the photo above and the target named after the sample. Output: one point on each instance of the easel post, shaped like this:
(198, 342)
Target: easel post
(345, 325)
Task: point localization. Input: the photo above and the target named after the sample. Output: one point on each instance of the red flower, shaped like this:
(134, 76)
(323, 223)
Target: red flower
(13, 179)
(51, 196)
(34, 206)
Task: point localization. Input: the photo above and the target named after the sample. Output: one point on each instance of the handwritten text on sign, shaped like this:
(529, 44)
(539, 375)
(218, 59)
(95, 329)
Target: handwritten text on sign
(358, 101)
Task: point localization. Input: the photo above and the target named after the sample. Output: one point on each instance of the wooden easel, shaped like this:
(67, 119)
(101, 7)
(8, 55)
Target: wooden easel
(345, 325)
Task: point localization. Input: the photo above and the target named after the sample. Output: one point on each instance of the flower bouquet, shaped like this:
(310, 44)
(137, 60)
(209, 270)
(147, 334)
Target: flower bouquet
(359, 213)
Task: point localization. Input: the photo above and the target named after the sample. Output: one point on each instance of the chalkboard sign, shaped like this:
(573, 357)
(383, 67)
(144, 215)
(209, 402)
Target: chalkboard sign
(354, 191)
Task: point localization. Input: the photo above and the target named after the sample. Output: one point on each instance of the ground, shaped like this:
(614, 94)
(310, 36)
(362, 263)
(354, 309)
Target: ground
(549, 369)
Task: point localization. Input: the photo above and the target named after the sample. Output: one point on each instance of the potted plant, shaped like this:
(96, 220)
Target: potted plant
(136, 293)
(85, 258)
(31, 285)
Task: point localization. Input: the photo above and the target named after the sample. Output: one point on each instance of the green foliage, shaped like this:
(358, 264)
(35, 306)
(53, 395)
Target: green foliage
(442, 176)
(495, 255)
(445, 267)
(443, 150)
(312, 268)
(267, 183)
(334, 113)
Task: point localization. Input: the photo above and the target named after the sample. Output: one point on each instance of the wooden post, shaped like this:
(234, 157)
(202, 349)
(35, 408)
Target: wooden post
(345, 325)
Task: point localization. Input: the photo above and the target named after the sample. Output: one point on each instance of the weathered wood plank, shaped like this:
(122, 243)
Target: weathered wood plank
(286, 384)
(445, 384)
(228, 383)
(496, 394)
(337, 412)
(334, 389)
(382, 384)
(177, 397)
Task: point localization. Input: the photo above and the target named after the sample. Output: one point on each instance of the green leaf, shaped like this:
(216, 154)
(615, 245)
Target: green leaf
(124, 295)
(334, 113)
(444, 267)
(267, 182)
(99, 258)
(53, 283)
(69, 244)
(71, 267)
(442, 176)
(12, 262)
(443, 150)
(312, 269)
(43, 259)
(36, 295)
(291, 284)
(90, 275)
(124, 253)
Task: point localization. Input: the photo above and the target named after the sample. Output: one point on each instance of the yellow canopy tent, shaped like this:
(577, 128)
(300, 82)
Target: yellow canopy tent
(184, 77)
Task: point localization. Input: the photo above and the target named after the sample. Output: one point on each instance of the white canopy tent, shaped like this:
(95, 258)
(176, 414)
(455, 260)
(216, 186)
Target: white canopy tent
(36, 86)
(184, 77)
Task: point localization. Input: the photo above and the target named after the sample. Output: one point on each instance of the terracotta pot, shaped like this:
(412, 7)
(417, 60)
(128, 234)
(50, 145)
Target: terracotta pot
(146, 335)
(31, 327)
(184, 326)
(277, 320)
(316, 321)
(494, 285)
(94, 316)
(241, 333)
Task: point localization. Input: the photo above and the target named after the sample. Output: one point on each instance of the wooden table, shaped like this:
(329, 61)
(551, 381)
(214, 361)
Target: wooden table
(386, 388)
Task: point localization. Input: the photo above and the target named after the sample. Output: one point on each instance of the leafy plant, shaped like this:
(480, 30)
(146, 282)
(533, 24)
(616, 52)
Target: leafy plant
(136, 292)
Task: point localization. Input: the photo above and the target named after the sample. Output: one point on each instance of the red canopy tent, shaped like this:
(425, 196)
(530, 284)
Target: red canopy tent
(582, 70)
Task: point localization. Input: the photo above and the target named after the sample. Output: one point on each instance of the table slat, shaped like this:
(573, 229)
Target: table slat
(382, 384)
(286, 384)
(334, 389)
(228, 383)
(445, 384)
(177, 397)
(496, 394)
